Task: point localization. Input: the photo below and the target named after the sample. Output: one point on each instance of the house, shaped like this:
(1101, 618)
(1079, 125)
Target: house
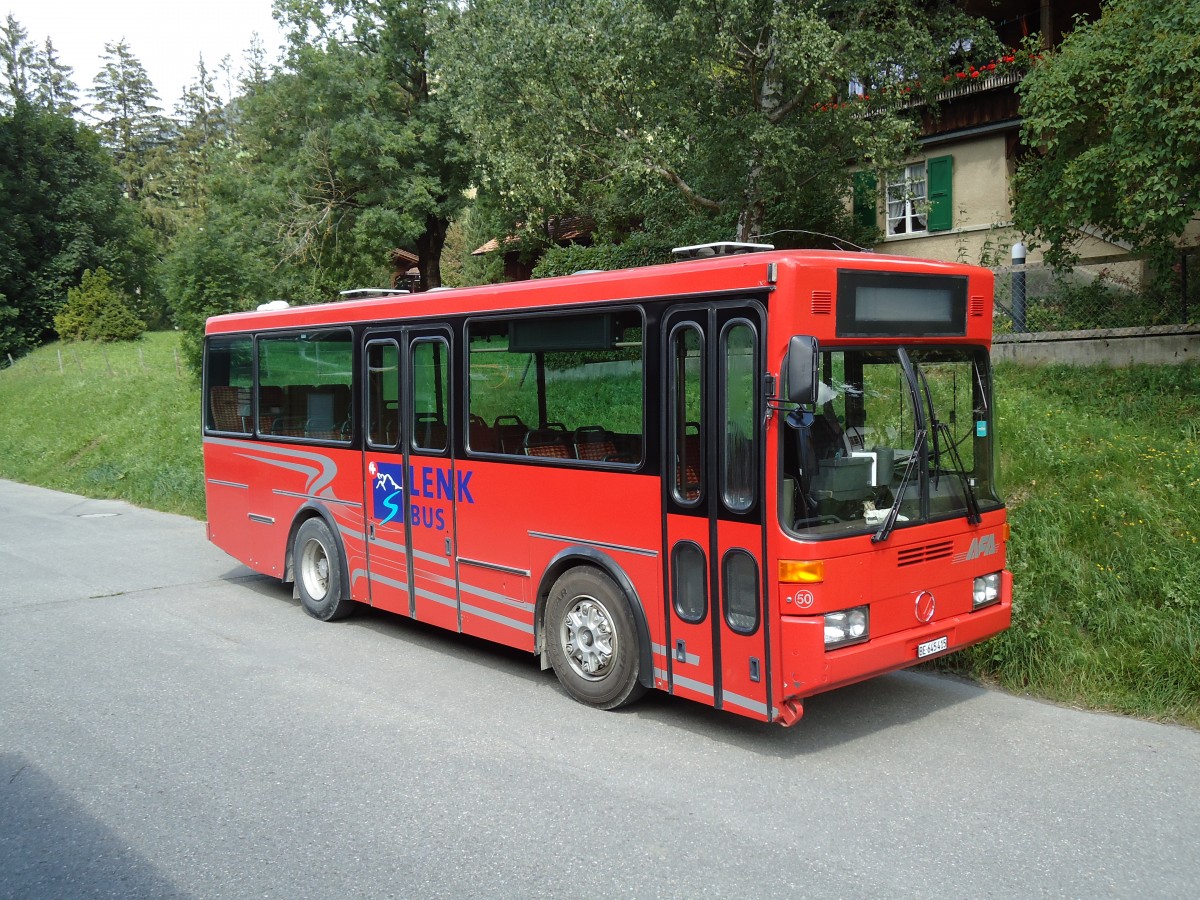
(558, 230)
(951, 201)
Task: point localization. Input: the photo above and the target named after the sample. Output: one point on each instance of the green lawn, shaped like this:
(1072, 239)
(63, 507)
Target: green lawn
(118, 420)
(1101, 469)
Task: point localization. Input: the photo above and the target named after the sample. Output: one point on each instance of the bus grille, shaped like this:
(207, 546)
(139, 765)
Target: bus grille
(822, 303)
(911, 556)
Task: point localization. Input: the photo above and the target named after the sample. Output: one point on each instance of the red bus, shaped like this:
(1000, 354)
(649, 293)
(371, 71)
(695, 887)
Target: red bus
(744, 479)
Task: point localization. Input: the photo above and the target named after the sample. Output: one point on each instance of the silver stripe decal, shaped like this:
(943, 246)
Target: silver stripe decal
(301, 496)
(744, 702)
(660, 674)
(473, 610)
(232, 484)
(436, 598)
(607, 546)
(431, 557)
(264, 520)
(698, 686)
(388, 545)
(480, 592)
(495, 617)
(496, 567)
(319, 478)
(690, 659)
(418, 554)
(359, 573)
(390, 582)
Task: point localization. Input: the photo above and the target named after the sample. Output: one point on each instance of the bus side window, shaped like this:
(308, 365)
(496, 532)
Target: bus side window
(687, 411)
(739, 416)
(229, 373)
(383, 385)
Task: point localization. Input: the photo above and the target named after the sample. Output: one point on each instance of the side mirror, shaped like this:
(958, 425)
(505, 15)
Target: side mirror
(802, 378)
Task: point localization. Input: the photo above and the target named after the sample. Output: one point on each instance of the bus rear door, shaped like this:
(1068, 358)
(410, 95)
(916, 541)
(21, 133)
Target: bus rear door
(411, 470)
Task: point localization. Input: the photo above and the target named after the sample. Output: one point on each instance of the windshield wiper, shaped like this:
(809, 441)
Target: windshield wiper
(941, 432)
(885, 530)
(973, 515)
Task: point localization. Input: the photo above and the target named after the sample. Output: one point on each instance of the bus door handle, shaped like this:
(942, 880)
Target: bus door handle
(448, 550)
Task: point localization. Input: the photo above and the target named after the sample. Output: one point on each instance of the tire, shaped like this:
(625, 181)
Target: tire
(317, 560)
(591, 639)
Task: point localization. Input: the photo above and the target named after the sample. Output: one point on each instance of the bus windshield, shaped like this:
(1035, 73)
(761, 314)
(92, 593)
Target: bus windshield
(898, 436)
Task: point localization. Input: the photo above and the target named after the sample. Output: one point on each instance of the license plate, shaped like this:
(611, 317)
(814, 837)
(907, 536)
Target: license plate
(931, 647)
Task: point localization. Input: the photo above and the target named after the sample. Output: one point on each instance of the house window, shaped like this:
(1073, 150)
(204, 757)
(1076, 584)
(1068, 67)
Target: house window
(907, 201)
(920, 197)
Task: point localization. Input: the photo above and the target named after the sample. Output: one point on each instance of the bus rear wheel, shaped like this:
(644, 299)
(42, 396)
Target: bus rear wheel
(591, 639)
(317, 558)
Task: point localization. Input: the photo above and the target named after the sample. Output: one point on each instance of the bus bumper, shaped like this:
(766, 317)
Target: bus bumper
(807, 668)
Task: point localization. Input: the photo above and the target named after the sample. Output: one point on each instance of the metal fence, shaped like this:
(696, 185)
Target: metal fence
(1115, 293)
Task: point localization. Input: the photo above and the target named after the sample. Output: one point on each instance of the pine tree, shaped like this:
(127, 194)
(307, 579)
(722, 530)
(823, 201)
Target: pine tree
(53, 86)
(175, 174)
(16, 54)
(128, 121)
(96, 310)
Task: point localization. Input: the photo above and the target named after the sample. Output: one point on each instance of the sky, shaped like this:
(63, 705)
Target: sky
(166, 36)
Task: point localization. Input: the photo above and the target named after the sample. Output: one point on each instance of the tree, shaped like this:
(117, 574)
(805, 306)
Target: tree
(1113, 117)
(97, 310)
(736, 112)
(53, 86)
(357, 143)
(128, 121)
(213, 268)
(17, 55)
(61, 205)
(175, 173)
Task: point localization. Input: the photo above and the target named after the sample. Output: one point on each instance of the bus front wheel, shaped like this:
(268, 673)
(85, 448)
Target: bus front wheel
(591, 639)
(317, 558)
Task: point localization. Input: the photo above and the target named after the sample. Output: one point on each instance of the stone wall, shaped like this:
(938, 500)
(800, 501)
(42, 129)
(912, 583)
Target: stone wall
(1156, 346)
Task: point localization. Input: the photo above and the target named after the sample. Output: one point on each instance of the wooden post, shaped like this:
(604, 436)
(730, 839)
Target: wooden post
(61, 370)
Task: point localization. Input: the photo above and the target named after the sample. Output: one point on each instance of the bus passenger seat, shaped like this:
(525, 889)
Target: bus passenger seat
(480, 436)
(229, 405)
(510, 432)
(548, 442)
(594, 442)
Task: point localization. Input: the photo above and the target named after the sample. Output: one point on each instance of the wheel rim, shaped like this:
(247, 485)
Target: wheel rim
(314, 570)
(589, 640)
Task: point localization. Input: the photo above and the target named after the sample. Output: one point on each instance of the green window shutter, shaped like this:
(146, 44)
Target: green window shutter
(940, 174)
(865, 196)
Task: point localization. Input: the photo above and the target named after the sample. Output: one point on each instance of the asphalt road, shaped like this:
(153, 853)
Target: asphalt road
(172, 725)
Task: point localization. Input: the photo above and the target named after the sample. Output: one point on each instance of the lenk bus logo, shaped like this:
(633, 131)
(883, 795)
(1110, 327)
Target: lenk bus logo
(429, 483)
(984, 545)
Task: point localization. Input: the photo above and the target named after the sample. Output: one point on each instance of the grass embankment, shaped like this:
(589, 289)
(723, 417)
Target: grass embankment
(119, 420)
(1101, 468)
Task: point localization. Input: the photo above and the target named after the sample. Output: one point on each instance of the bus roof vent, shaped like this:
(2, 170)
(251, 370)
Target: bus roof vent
(718, 248)
(367, 293)
(273, 305)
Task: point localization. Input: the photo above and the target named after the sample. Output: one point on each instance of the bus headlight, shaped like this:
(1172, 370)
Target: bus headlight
(849, 626)
(986, 590)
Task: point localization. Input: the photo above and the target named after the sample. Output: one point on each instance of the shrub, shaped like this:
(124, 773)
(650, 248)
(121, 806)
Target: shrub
(97, 311)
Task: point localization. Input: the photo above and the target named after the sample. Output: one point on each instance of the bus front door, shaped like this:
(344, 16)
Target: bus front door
(713, 508)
